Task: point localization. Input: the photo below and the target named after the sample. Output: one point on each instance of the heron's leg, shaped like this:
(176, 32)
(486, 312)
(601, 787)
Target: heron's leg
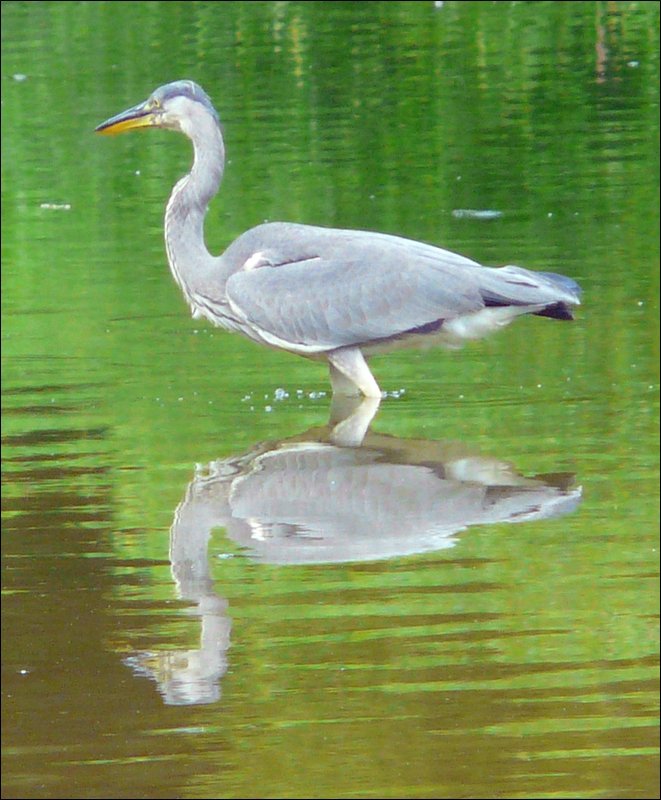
(350, 374)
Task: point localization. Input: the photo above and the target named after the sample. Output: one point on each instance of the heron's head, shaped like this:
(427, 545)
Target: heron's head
(176, 106)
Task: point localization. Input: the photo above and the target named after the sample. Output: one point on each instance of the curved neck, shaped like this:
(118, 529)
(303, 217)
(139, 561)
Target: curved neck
(184, 216)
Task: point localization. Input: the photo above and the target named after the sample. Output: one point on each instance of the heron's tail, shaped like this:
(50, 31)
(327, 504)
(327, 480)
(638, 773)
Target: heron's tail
(515, 286)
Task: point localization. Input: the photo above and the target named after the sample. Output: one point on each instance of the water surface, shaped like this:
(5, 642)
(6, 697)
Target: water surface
(212, 591)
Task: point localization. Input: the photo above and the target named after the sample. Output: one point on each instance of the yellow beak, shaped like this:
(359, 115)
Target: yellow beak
(131, 119)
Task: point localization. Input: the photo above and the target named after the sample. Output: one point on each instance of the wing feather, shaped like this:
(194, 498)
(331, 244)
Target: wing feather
(323, 288)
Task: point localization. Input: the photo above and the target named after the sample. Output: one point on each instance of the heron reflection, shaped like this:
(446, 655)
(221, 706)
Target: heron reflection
(340, 493)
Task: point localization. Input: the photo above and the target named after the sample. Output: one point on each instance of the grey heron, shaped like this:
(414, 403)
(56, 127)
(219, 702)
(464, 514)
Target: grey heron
(326, 293)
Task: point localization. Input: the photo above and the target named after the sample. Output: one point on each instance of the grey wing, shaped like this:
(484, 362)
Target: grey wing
(318, 289)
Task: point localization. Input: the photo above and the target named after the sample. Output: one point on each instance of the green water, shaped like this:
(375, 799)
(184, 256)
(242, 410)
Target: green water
(466, 605)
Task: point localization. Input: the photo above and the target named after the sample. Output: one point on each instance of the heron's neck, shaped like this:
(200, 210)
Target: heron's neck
(189, 259)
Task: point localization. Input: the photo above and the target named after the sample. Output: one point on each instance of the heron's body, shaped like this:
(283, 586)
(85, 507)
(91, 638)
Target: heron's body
(324, 292)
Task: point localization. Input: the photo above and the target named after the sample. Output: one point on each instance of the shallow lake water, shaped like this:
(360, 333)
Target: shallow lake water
(217, 582)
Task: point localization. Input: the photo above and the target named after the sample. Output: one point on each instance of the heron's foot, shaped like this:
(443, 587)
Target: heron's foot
(351, 418)
(350, 375)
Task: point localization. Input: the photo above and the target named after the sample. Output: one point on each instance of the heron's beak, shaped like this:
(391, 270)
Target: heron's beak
(140, 116)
